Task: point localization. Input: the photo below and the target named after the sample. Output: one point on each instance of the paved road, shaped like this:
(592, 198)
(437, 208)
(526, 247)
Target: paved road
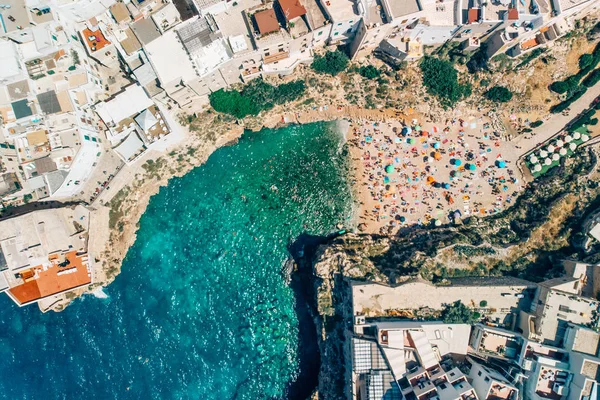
(556, 123)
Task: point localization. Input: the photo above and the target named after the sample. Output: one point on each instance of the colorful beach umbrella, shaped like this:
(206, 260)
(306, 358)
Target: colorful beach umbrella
(436, 145)
(389, 169)
(501, 163)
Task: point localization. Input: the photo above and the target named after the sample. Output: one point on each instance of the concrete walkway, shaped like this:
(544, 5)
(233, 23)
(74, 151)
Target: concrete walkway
(556, 123)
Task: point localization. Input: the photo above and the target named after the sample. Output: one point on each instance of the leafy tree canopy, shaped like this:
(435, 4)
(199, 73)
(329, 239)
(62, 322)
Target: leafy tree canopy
(369, 72)
(441, 80)
(585, 61)
(499, 94)
(458, 313)
(255, 97)
(332, 63)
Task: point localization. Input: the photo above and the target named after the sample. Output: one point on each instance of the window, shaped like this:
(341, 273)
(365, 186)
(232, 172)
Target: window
(320, 33)
(479, 373)
(335, 34)
(487, 379)
(350, 21)
(349, 30)
(443, 386)
(340, 24)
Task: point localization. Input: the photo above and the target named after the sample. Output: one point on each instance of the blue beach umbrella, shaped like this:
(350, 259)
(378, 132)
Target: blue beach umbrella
(501, 164)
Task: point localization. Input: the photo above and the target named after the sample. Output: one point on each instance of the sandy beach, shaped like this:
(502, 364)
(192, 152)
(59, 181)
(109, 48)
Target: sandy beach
(414, 172)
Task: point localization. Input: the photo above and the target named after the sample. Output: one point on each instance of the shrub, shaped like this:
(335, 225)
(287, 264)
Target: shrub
(592, 79)
(499, 94)
(255, 97)
(568, 85)
(457, 313)
(585, 61)
(332, 63)
(536, 124)
(369, 72)
(441, 80)
(483, 303)
(560, 107)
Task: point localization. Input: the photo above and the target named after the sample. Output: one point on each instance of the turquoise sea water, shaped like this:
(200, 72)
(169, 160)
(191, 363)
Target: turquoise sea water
(200, 310)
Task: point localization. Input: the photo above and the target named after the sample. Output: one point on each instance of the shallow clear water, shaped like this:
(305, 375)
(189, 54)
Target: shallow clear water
(200, 310)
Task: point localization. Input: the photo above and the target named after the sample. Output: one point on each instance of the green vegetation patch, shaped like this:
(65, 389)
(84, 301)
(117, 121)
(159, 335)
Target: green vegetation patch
(441, 79)
(255, 97)
(458, 313)
(332, 62)
(499, 94)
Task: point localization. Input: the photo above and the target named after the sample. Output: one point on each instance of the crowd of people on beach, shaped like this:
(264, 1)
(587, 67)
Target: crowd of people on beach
(412, 174)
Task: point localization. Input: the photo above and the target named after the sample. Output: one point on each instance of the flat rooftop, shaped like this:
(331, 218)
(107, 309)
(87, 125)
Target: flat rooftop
(340, 10)
(95, 40)
(400, 8)
(63, 274)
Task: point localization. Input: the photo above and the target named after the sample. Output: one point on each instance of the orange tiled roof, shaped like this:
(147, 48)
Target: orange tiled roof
(292, 9)
(49, 282)
(528, 44)
(98, 42)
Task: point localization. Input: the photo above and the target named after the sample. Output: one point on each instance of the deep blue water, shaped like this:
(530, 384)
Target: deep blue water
(200, 310)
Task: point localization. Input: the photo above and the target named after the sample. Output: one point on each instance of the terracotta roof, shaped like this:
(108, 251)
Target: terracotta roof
(266, 21)
(292, 9)
(97, 41)
(47, 282)
(474, 15)
(513, 14)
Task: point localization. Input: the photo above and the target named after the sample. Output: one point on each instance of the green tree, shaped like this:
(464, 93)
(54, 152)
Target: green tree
(483, 303)
(369, 72)
(441, 79)
(585, 61)
(332, 63)
(457, 313)
(232, 102)
(499, 94)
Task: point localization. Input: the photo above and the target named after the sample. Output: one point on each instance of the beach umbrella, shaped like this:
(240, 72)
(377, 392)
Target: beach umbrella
(407, 130)
(543, 154)
(437, 222)
(386, 179)
(555, 157)
(417, 127)
(562, 152)
(550, 149)
(411, 141)
(537, 168)
(397, 140)
(437, 156)
(547, 161)
(559, 143)
(533, 159)
(436, 145)
(470, 167)
(572, 146)
(576, 135)
(389, 169)
(402, 219)
(585, 138)
(446, 186)
(501, 164)
(430, 180)
(568, 139)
